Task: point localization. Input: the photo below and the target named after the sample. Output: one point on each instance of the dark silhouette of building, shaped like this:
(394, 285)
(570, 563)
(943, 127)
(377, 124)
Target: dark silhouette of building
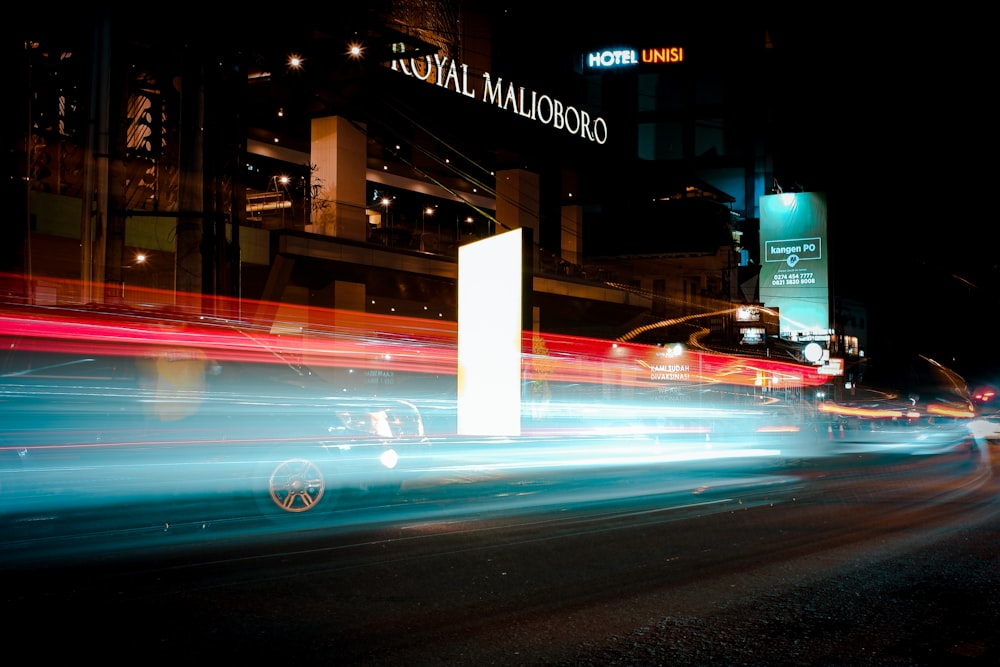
(349, 179)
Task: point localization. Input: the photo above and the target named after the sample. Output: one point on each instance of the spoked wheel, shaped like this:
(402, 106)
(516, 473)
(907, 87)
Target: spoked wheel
(295, 486)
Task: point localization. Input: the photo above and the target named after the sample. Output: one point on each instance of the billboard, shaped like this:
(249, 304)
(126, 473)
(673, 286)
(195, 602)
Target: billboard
(794, 273)
(490, 299)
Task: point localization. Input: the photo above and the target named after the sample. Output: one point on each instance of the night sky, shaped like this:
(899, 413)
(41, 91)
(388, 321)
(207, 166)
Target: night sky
(894, 134)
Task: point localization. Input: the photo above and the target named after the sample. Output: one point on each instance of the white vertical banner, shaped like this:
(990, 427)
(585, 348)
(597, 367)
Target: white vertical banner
(490, 278)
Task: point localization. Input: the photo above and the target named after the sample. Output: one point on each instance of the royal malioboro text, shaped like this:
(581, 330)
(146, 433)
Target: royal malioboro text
(445, 72)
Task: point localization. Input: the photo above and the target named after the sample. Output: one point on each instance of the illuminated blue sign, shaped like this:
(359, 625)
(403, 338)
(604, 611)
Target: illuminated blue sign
(794, 273)
(612, 58)
(626, 57)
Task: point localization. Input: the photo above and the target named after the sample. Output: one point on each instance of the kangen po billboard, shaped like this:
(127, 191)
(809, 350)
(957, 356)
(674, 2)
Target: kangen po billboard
(794, 274)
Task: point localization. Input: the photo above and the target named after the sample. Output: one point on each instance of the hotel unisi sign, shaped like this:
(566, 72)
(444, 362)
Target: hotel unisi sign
(627, 57)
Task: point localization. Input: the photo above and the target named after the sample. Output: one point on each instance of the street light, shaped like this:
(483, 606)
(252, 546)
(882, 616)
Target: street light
(355, 50)
(385, 221)
(138, 260)
(429, 210)
(280, 182)
(279, 195)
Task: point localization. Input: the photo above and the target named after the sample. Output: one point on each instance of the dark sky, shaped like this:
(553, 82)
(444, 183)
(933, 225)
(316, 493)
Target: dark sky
(895, 135)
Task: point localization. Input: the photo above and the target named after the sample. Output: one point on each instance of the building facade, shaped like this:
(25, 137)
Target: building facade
(342, 166)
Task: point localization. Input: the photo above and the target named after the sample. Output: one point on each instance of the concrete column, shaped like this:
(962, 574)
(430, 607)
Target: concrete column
(349, 296)
(571, 243)
(518, 195)
(339, 157)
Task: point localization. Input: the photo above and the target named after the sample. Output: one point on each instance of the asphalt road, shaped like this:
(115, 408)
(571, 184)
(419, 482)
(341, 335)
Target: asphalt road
(860, 560)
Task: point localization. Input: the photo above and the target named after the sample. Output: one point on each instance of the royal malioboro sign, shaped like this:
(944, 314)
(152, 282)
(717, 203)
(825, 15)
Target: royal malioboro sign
(530, 104)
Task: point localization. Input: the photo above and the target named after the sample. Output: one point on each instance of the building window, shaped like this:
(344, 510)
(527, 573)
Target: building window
(661, 141)
(659, 94)
(709, 139)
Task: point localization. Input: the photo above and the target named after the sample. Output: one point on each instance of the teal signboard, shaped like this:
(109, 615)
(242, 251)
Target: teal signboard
(794, 274)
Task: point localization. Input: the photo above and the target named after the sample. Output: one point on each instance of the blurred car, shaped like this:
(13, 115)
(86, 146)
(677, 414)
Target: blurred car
(985, 395)
(933, 415)
(987, 424)
(101, 411)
